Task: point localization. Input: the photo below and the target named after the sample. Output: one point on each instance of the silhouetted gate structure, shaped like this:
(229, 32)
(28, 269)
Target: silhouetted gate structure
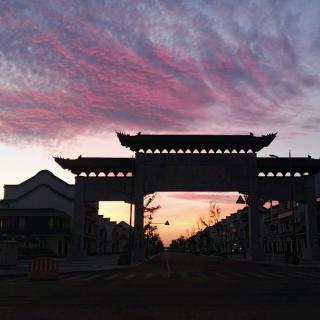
(228, 164)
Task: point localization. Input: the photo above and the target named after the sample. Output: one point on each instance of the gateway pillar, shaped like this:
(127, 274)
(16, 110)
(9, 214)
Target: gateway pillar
(138, 242)
(77, 250)
(311, 231)
(254, 251)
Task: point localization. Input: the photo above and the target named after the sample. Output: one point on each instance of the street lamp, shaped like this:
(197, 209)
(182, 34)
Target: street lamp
(165, 223)
(148, 226)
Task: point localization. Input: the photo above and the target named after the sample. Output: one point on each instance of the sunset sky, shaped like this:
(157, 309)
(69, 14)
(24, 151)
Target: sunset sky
(74, 72)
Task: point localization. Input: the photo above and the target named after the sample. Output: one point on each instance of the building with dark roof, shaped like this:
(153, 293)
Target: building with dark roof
(38, 213)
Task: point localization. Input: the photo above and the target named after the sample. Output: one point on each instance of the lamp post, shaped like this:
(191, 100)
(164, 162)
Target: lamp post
(148, 226)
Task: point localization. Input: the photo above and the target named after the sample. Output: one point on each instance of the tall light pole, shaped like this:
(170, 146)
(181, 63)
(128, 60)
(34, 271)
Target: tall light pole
(148, 226)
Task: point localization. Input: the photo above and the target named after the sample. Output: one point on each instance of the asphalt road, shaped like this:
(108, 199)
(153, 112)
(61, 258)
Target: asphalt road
(170, 286)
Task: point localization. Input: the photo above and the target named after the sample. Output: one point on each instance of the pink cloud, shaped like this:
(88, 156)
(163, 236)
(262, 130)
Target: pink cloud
(216, 198)
(73, 69)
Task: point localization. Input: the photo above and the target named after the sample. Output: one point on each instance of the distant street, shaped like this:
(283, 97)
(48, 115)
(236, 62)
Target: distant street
(170, 286)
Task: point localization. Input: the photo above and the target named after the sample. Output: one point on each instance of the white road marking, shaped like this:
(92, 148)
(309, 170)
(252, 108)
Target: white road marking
(92, 277)
(297, 274)
(270, 274)
(257, 275)
(113, 276)
(240, 275)
(76, 277)
(220, 275)
(14, 301)
(184, 275)
(16, 279)
(67, 275)
(130, 276)
(6, 308)
(317, 275)
(307, 274)
(167, 262)
(165, 275)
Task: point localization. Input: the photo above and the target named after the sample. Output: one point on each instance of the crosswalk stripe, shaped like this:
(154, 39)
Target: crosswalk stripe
(6, 307)
(257, 275)
(64, 276)
(184, 275)
(180, 275)
(220, 275)
(113, 276)
(317, 275)
(273, 274)
(202, 276)
(92, 277)
(307, 274)
(240, 275)
(15, 299)
(16, 279)
(76, 277)
(297, 274)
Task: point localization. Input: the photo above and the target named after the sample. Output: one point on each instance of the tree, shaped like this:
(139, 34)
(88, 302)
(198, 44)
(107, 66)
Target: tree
(154, 243)
(178, 245)
(149, 209)
(198, 238)
(211, 218)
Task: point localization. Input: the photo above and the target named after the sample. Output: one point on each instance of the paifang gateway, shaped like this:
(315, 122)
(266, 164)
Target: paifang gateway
(184, 163)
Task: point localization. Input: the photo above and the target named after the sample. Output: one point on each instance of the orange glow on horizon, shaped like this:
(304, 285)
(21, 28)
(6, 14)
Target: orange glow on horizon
(181, 212)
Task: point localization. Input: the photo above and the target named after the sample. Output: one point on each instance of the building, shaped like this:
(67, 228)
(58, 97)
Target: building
(120, 237)
(230, 236)
(38, 214)
(279, 234)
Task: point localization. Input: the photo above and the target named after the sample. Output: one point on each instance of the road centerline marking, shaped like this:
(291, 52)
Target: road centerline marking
(167, 262)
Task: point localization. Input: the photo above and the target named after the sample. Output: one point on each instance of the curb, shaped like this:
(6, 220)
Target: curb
(115, 268)
(100, 269)
(279, 264)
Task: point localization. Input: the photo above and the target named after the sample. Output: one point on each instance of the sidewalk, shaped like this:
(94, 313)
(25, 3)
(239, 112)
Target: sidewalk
(91, 263)
(278, 262)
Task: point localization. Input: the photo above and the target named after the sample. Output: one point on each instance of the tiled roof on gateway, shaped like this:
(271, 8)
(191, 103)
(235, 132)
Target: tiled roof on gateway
(193, 143)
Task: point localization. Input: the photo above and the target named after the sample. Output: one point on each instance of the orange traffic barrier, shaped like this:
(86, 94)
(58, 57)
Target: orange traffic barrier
(43, 269)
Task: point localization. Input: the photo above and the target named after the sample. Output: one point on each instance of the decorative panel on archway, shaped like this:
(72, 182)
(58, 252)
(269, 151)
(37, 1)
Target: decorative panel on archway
(196, 172)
